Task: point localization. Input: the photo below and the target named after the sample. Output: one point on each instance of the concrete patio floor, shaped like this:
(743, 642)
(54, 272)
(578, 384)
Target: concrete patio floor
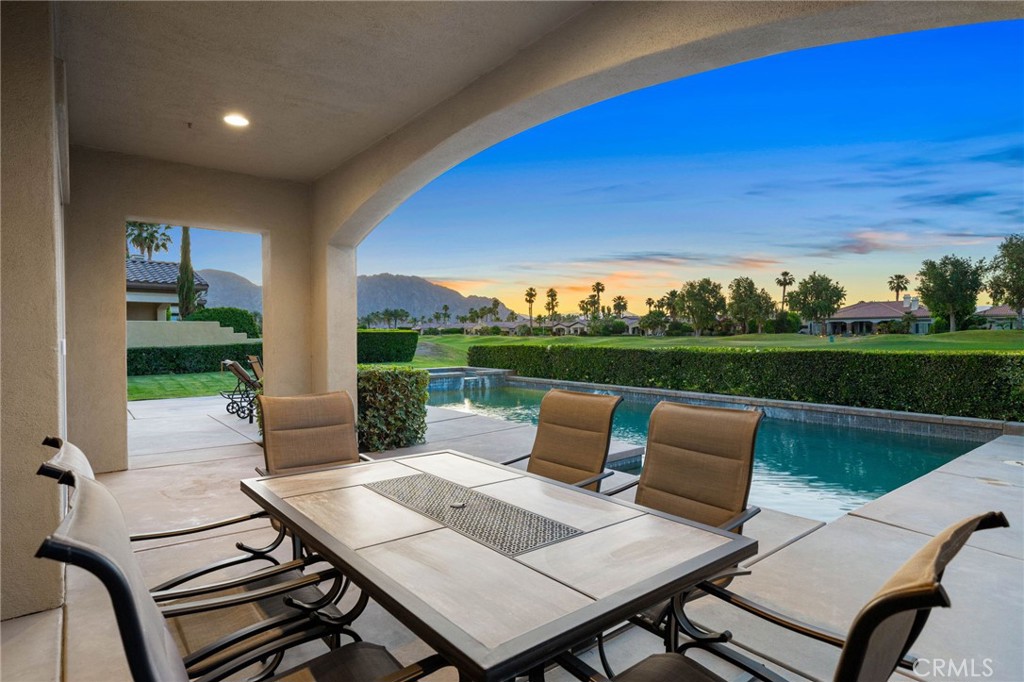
(187, 456)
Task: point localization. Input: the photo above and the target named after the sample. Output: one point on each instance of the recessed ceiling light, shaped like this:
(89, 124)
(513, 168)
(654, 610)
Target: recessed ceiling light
(236, 120)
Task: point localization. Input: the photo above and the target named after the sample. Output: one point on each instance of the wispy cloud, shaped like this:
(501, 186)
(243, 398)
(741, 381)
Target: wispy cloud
(961, 198)
(1009, 156)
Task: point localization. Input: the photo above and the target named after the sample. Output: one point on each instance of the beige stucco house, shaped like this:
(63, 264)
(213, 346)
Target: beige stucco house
(151, 289)
(865, 316)
(115, 112)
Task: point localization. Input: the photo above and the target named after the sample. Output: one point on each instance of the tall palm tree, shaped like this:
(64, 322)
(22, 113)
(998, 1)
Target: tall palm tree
(785, 279)
(619, 305)
(899, 283)
(598, 289)
(446, 313)
(531, 296)
(650, 304)
(552, 305)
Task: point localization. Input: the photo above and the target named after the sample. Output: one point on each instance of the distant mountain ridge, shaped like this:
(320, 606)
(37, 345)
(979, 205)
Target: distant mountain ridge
(228, 290)
(421, 297)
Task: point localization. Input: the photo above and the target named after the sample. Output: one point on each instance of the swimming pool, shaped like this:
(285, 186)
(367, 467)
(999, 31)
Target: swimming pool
(816, 471)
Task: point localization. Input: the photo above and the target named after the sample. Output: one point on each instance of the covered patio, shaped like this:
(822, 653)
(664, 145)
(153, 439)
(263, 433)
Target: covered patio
(188, 455)
(113, 112)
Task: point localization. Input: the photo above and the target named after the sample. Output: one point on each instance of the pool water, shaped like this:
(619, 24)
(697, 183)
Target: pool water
(817, 471)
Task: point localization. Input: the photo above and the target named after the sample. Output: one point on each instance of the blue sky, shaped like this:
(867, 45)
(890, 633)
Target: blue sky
(857, 160)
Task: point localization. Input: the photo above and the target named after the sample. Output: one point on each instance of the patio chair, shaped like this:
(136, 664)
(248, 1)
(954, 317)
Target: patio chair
(257, 367)
(70, 462)
(308, 432)
(94, 537)
(876, 643)
(242, 398)
(699, 465)
(574, 431)
(254, 601)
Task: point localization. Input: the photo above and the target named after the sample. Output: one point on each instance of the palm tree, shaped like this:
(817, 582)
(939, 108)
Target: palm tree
(552, 305)
(899, 283)
(619, 305)
(446, 313)
(531, 296)
(598, 289)
(785, 279)
(650, 304)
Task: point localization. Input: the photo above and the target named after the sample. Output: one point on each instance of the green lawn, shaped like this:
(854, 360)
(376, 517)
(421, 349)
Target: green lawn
(447, 351)
(155, 386)
(450, 351)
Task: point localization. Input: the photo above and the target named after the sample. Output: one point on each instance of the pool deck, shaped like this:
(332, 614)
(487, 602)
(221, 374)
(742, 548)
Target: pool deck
(187, 455)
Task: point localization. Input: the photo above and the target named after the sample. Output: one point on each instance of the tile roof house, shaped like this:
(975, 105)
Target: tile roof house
(865, 316)
(1001, 317)
(151, 288)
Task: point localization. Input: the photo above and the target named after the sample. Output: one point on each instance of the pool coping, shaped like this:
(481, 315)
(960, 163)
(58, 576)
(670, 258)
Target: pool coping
(913, 423)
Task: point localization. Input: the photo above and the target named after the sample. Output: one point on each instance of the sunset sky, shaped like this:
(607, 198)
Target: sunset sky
(857, 160)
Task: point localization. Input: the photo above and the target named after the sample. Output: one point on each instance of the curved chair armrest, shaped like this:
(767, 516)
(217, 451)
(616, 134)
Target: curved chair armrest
(593, 479)
(167, 595)
(814, 632)
(198, 529)
(214, 603)
(264, 652)
(741, 518)
(621, 488)
(520, 458)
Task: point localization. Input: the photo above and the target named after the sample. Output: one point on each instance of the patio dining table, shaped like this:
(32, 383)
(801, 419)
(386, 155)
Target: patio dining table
(495, 568)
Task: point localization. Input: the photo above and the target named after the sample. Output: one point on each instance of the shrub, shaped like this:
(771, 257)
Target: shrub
(188, 359)
(984, 384)
(385, 345)
(392, 407)
(242, 321)
(431, 331)
(677, 328)
(453, 330)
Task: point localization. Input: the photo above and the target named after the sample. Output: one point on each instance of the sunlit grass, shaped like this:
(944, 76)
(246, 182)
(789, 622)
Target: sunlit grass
(156, 386)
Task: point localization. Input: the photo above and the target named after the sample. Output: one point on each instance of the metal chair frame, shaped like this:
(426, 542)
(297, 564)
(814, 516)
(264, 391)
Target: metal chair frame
(242, 398)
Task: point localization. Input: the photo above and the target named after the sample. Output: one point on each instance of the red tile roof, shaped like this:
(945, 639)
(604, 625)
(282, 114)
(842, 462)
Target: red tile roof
(879, 310)
(999, 311)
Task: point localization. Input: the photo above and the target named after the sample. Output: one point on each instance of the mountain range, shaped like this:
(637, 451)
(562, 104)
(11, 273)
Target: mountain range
(420, 297)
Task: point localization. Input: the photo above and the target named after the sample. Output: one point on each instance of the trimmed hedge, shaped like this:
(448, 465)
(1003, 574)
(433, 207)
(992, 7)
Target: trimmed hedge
(385, 345)
(392, 407)
(188, 359)
(984, 384)
(242, 321)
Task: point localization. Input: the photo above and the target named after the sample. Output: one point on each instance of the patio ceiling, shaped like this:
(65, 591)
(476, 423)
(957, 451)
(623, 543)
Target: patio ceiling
(319, 81)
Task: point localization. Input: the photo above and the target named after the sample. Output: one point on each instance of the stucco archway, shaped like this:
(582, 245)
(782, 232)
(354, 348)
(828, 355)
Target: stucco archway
(606, 51)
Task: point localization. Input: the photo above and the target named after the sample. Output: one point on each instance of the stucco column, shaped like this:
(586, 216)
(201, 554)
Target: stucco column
(334, 322)
(32, 318)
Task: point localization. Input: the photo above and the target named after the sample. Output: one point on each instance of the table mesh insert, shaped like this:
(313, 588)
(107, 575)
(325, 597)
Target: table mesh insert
(492, 522)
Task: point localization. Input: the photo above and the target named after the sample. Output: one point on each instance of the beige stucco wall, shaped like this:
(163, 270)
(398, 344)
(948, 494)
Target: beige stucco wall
(109, 188)
(31, 284)
(148, 333)
(608, 50)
